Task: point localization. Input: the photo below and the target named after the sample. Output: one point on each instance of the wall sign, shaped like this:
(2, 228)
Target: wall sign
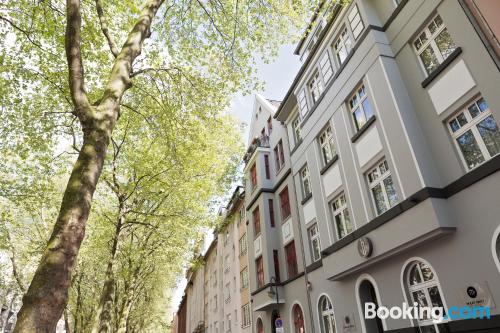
(365, 247)
(476, 294)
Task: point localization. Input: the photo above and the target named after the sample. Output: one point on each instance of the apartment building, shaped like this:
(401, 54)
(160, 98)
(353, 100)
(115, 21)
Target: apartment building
(392, 124)
(276, 264)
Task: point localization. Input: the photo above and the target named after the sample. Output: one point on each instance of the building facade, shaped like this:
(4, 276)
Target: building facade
(375, 180)
(392, 122)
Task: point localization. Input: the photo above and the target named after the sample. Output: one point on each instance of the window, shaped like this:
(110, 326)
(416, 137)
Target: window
(215, 302)
(266, 164)
(227, 264)
(244, 278)
(215, 278)
(285, 204)
(314, 243)
(227, 292)
(424, 289)
(260, 326)
(269, 126)
(355, 22)
(298, 319)
(216, 327)
(253, 176)
(245, 315)
(228, 320)
(297, 136)
(476, 133)
(279, 156)
(382, 187)
(291, 260)
(276, 261)
(226, 237)
(325, 66)
(256, 221)
(271, 212)
(306, 182)
(259, 268)
(315, 86)
(341, 216)
(342, 46)
(360, 107)
(327, 317)
(303, 102)
(327, 145)
(433, 44)
(243, 245)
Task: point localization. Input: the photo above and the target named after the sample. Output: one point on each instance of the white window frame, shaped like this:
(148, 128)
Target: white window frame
(297, 135)
(424, 286)
(326, 67)
(305, 181)
(355, 22)
(343, 41)
(326, 143)
(314, 238)
(356, 102)
(246, 318)
(243, 245)
(379, 174)
(329, 314)
(244, 278)
(472, 123)
(430, 41)
(302, 101)
(315, 86)
(339, 208)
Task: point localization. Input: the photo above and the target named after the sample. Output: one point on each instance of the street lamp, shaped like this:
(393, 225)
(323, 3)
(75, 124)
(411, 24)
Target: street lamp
(274, 292)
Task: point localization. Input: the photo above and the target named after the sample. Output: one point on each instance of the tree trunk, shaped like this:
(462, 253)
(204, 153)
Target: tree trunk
(66, 322)
(47, 295)
(125, 312)
(103, 322)
(8, 314)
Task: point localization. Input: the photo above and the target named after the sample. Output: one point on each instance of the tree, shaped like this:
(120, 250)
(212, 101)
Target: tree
(205, 45)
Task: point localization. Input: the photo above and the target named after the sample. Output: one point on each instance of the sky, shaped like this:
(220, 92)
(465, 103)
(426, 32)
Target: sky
(277, 77)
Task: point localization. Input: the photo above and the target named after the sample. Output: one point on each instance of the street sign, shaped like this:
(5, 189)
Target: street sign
(278, 323)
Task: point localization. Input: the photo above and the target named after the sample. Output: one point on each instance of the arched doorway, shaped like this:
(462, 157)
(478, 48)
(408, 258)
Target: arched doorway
(326, 315)
(298, 319)
(275, 315)
(260, 326)
(367, 294)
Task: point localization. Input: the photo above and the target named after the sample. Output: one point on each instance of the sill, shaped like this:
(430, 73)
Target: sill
(363, 129)
(296, 146)
(281, 168)
(329, 164)
(314, 266)
(306, 199)
(439, 69)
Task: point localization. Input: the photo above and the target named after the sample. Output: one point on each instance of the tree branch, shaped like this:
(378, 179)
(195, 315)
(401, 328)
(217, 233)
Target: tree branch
(104, 28)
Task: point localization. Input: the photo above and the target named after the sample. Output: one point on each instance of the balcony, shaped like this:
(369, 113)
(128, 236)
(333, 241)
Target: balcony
(261, 141)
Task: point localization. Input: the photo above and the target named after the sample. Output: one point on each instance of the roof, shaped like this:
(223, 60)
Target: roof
(308, 30)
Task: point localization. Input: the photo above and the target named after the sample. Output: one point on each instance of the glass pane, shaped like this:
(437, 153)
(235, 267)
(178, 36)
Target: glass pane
(347, 220)
(470, 150)
(378, 196)
(444, 43)
(391, 191)
(433, 27)
(340, 226)
(327, 154)
(429, 59)
(427, 273)
(482, 104)
(491, 136)
(359, 118)
(454, 126)
(419, 297)
(415, 276)
(474, 110)
(367, 108)
(462, 120)
(435, 297)
(438, 21)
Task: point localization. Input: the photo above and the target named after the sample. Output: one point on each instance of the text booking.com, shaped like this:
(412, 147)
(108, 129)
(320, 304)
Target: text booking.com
(436, 314)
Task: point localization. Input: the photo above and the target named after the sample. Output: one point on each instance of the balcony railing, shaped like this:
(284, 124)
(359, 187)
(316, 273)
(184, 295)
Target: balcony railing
(260, 141)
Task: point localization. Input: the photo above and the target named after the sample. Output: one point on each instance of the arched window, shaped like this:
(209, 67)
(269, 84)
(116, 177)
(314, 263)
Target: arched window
(298, 319)
(327, 318)
(423, 288)
(496, 247)
(260, 326)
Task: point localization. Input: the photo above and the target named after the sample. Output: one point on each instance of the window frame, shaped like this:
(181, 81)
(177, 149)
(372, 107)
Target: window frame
(305, 182)
(292, 267)
(267, 166)
(430, 41)
(245, 315)
(245, 281)
(302, 102)
(285, 204)
(315, 86)
(472, 125)
(272, 220)
(257, 228)
(297, 134)
(329, 68)
(243, 245)
(329, 142)
(341, 39)
(380, 180)
(279, 156)
(342, 210)
(355, 33)
(314, 239)
(259, 271)
(360, 100)
(329, 313)
(253, 176)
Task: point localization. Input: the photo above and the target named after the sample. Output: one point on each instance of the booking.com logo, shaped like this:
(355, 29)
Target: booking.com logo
(436, 314)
